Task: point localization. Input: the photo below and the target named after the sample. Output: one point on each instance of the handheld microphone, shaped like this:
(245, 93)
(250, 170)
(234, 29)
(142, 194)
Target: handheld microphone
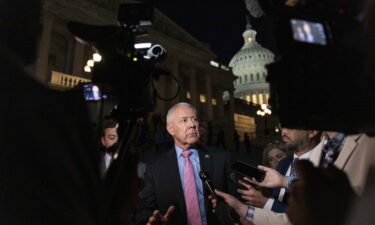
(224, 213)
(205, 177)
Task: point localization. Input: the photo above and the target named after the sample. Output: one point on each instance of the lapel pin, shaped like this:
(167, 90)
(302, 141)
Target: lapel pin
(207, 156)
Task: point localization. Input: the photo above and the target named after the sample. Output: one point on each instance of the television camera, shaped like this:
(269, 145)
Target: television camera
(125, 74)
(318, 79)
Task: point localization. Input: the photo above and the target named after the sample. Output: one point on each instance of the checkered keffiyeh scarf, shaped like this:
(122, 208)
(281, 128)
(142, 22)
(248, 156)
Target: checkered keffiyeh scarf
(331, 149)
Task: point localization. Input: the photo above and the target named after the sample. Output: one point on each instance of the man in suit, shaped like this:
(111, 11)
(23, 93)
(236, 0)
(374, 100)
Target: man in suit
(355, 159)
(166, 177)
(302, 143)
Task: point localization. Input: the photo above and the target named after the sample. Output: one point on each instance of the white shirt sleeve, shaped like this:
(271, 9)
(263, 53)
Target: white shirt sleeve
(269, 204)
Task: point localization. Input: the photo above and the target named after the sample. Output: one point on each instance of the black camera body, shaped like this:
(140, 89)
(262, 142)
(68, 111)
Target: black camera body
(317, 81)
(124, 73)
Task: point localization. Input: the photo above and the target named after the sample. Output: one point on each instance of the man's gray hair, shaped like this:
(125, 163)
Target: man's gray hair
(173, 108)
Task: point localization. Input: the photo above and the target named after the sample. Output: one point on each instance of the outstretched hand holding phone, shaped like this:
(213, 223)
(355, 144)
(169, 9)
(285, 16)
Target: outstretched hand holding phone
(272, 179)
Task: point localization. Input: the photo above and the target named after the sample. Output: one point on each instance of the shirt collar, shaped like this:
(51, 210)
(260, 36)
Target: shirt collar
(179, 150)
(306, 155)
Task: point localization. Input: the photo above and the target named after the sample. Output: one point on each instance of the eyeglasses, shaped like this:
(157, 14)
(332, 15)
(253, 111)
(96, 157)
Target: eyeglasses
(185, 120)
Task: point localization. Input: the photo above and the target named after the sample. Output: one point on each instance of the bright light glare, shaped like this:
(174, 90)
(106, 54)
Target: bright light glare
(87, 69)
(97, 57)
(90, 63)
(142, 45)
(213, 63)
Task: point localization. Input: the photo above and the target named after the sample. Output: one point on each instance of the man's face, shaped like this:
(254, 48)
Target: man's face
(294, 139)
(110, 137)
(184, 127)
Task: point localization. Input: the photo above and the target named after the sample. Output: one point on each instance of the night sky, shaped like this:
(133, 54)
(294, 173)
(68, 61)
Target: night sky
(219, 24)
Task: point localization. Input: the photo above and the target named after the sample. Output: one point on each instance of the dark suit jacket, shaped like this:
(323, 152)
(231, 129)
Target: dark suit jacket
(49, 166)
(282, 167)
(163, 186)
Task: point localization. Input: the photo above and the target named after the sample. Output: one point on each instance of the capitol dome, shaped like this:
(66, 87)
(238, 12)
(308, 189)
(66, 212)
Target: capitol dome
(249, 65)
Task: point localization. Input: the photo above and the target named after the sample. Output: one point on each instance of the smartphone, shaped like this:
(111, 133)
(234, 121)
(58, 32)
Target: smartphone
(245, 170)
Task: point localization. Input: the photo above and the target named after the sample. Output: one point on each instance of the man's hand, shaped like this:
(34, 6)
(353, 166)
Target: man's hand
(241, 209)
(319, 196)
(252, 196)
(237, 205)
(159, 219)
(273, 179)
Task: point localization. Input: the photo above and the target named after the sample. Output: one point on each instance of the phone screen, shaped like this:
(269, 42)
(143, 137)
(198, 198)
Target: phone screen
(248, 171)
(91, 92)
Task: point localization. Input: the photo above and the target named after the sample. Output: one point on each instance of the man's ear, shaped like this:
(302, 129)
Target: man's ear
(170, 129)
(313, 133)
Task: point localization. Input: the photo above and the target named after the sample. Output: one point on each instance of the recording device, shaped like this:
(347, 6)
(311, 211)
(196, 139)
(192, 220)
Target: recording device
(318, 79)
(242, 169)
(124, 73)
(308, 32)
(224, 213)
(205, 177)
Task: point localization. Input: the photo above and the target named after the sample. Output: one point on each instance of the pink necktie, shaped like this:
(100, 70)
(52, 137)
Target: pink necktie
(190, 191)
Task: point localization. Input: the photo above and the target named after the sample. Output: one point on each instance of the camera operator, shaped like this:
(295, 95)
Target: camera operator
(49, 167)
(109, 141)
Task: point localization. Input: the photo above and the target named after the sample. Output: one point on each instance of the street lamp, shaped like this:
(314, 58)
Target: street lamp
(263, 112)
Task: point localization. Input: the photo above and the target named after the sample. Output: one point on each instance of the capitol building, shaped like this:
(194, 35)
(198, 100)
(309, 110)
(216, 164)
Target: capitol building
(251, 89)
(249, 65)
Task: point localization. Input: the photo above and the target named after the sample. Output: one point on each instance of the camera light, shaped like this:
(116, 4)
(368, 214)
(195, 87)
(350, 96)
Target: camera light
(97, 57)
(90, 63)
(87, 69)
(142, 45)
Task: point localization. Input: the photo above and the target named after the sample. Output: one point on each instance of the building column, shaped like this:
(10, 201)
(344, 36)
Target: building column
(193, 88)
(220, 104)
(209, 96)
(173, 65)
(79, 52)
(231, 102)
(265, 97)
(44, 46)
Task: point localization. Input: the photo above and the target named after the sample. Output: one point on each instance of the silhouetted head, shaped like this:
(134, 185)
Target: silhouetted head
(20, 28)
